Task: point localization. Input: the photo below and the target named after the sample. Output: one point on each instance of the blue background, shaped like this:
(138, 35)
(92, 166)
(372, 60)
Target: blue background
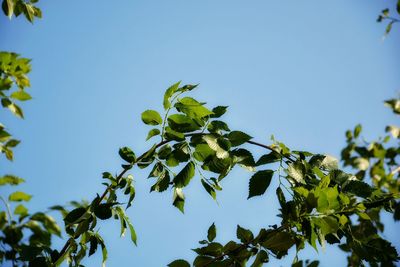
(304, 71)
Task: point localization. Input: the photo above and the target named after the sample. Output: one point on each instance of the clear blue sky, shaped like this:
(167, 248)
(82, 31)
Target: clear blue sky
(304, 71)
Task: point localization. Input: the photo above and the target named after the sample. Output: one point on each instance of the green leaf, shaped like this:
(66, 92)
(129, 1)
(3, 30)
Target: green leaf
(164, 151)
(12, 143)
(179, 263)
(398, 7)
(211, 233)
(74, 216)
(8, 8)
(182, 123)
(218, 111)
(269, 158)
(21, 95)
(295, 171)
(259, 182)
(279, 242)
(202, 152)
(162, 183)
(192, 108)
(16, 110)
(328, 200)
(389, 27)
(244, 235)
(170, 91)
(29, 12)
(358, 188)
(11, 180)
(183, 178)
(179, 199)
(127, 154)
(19, 196)
(237, 138)
(21, 210)
(152, 132)
(103, 249)
(103, 211)
(151, 117)
(217, 127)
(131, 230)
(210, 190)
(281, 197)
(243, 157)
(327, 224)
(173, 135)
(357, 130)
(261, 258)
(214, 145)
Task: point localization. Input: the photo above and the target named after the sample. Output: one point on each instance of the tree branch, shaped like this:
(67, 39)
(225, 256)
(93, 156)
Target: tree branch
(104, 194)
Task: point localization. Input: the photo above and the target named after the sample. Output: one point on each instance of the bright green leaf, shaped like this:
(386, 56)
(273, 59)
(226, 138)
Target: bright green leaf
(151, 117)
(152, 132)
(19, 196)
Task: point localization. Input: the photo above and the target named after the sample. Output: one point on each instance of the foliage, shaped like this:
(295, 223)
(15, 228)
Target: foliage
(319, 202)
(386, 16)
(26, 7)
(13, 82)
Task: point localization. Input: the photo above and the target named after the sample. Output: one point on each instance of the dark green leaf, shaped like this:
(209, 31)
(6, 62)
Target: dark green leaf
(127, 154)
(202, 152)
(74, 215)
(217, 127)
(261, 258)
(218, 111)
(281, 197)
(162, 183)
(179, 263)
(244, 235)
(269, 158)
(173, 135)
(211, 233)
(259, 182)
(210, 190)
(279, 242)
(237, 138)
(103, 211)
(358, 188)
(183, 178)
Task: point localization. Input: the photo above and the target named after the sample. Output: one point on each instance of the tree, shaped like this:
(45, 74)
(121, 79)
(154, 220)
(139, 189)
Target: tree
(319, 202)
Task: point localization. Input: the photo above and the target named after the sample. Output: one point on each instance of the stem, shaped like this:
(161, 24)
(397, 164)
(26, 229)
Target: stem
(270, 148)
(166, 115)
(8, 208)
